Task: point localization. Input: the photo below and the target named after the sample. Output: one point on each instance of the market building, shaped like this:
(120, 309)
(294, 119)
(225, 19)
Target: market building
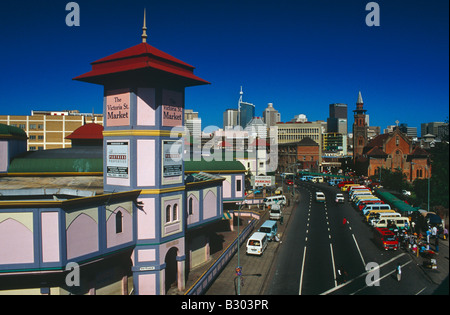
(147, 223)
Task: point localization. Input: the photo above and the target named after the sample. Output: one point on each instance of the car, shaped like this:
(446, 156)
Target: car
(289, 182)
(339, 198)
(320, 196)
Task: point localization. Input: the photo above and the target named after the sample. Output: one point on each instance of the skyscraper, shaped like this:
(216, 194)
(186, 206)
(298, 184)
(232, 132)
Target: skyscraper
(246, 111)
(271, 116)
(337, 121)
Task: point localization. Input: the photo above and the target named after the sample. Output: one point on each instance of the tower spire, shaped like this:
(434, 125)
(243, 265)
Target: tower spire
(144, 28)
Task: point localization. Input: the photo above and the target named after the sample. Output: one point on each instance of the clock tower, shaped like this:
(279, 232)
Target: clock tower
(359, 128)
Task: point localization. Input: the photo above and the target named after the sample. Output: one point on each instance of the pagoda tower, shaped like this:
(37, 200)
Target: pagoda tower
(143, 109)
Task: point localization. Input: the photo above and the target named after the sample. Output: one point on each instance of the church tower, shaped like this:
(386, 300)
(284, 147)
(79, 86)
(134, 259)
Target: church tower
(359, 128)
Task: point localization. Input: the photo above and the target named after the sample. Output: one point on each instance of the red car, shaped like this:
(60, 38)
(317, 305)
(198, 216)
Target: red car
(289, 182)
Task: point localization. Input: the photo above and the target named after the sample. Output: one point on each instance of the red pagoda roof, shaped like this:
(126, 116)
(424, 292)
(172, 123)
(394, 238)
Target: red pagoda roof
(143, 63)
(88, 131)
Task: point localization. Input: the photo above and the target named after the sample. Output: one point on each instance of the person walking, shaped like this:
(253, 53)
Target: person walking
(399, 272)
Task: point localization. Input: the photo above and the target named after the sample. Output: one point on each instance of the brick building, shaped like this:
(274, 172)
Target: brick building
(305, 152)
(395, 151)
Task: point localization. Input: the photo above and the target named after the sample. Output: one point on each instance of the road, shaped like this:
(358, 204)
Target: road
(317, 243)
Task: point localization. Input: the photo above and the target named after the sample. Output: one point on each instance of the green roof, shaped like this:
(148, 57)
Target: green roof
(11, 131)
(395, 203)
(24, 165)
(213, 166)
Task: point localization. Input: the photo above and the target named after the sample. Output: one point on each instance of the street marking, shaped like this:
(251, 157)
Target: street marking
(364, 274)
(359, 251)
(332, 260)
(301, 274)
(378, 280)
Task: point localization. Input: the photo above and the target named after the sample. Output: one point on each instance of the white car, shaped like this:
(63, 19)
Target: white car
(339, 198)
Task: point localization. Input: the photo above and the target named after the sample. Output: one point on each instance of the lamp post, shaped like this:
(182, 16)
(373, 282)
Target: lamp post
(239, 244)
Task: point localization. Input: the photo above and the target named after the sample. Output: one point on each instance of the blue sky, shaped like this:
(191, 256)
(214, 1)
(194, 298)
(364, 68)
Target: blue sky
(299, 55)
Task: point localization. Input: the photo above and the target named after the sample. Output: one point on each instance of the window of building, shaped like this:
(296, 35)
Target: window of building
(168, 209)
(175, 212)
(119, 222)
(190, 206)
(238, 185)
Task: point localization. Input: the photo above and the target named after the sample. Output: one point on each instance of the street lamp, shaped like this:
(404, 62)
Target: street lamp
(239, 243)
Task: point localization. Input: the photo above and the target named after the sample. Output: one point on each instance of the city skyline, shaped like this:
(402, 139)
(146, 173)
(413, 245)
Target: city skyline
(301, 56)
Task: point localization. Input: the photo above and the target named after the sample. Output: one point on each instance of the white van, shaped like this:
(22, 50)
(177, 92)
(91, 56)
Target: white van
(400, 222)
(275, 212)
(257, 243)
(275, 200)
(381, 215)
(320, 196)
(383, 206)
(317, 179)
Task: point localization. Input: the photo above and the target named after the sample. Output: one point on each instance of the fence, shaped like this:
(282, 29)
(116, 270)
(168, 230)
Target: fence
(208, 277)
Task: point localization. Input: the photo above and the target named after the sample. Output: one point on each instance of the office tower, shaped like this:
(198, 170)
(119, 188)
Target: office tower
(246, 111)
(230, 118)
(271, 116)
(337, 121)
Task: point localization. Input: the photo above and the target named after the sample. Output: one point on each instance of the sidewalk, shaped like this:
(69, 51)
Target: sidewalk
(439, 275)
(228, 238)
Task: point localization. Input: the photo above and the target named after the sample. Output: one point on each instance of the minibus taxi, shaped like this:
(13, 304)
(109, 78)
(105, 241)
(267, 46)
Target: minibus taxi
(345, 182)
(354, 188)
(270, 228)
(385, 238)
(279, 199)
(257, 243)
(399, 222)
(275, 212)
(371, 207)
(372, 213)
(347, 186)
(360, 203)
(364, 202)
(361, 193)
(378, 216)
(360, 199)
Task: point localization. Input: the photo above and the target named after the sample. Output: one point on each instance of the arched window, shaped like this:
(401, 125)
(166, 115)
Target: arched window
(190, 206)
(119, 222)
(168, 214)
(175, 212)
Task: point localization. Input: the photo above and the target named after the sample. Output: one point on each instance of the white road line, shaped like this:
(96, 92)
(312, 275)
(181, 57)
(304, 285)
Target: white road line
(301, 274)
(363, 274)
(359, 251)
(332, 261)
(378, 280)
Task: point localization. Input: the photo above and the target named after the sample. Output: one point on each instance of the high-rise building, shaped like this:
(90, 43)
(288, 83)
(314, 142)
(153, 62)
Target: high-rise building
(230, 118)
(246, 111)
(193, 123)
(337, 121)
(430, 128)
(271, 116)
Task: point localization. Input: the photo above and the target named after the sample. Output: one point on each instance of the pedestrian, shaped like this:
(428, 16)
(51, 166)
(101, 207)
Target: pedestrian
(428, 235)
(436, 244)
(434, 231)
(413, 227)
(399, 272)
